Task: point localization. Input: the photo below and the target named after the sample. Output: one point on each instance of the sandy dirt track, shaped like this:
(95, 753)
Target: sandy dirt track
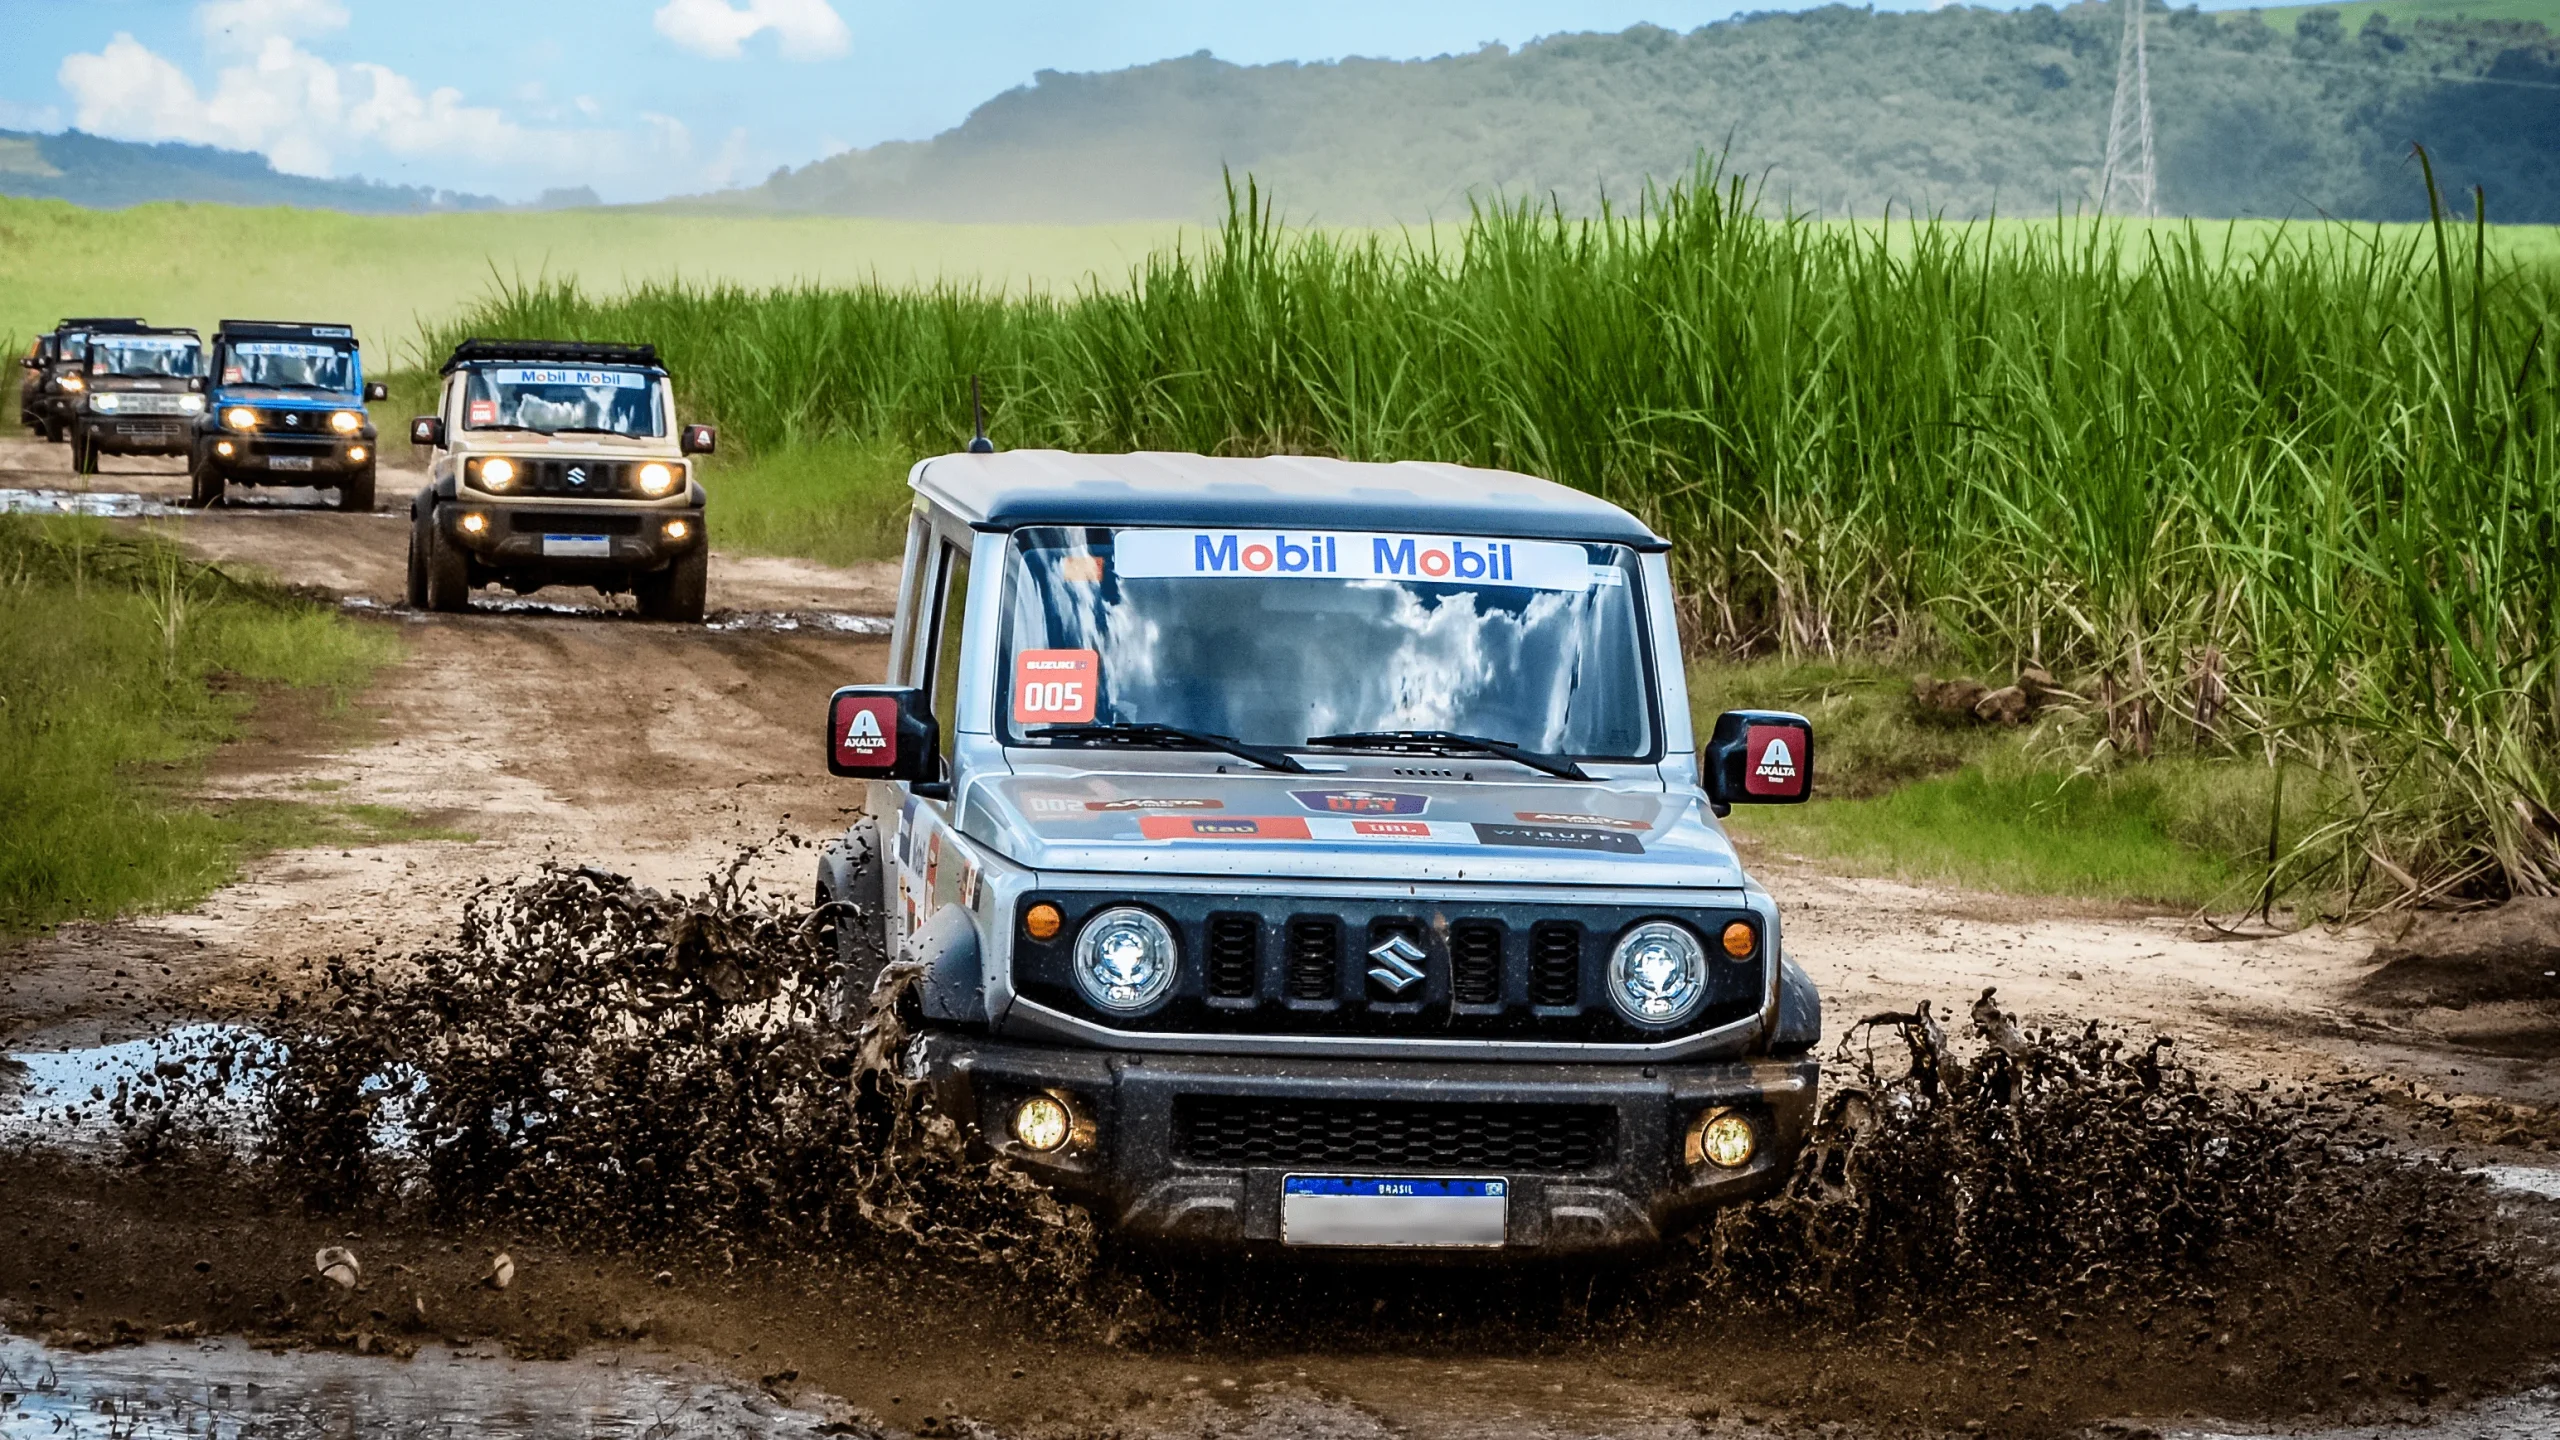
(585, 735)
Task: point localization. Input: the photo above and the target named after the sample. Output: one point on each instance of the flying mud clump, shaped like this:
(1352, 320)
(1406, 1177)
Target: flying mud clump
(2090, 1170)
(596, 1056)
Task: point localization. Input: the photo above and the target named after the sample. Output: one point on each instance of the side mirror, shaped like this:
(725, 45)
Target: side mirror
(1759, 757)
(30, 362)
(427, 430)
(376, 390)
(699, 440)
(883, 732)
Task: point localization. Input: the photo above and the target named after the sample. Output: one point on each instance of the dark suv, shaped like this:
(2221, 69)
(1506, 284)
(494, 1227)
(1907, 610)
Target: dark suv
(145, 389)
(56, 379)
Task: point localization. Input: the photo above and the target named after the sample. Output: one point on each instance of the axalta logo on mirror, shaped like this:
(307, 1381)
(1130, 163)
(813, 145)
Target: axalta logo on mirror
(863, 732)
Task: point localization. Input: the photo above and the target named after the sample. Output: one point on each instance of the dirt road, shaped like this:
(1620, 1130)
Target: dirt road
(569, 729)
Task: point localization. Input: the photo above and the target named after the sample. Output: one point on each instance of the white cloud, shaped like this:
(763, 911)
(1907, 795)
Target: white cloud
(806, 29)
(302, 111)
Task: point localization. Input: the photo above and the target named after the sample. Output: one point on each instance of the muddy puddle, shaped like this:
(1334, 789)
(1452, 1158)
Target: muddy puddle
(2013, 1230)
(220, 1389)
(109, 504)
(831, 622)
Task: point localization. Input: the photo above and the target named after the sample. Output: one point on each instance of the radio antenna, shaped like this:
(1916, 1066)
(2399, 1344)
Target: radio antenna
(979, 444)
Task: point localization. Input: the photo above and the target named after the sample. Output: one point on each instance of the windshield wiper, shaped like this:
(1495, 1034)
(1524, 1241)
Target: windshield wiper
(1264, 756)
(1444, 740)
(592, 430)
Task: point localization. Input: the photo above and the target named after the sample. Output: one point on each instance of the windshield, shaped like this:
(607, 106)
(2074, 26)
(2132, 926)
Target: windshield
(1277, 638)
(289, 365)
(618, 402)
(173, 356)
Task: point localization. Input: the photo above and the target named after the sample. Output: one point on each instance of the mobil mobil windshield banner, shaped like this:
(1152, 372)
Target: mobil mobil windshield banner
(1351, 555)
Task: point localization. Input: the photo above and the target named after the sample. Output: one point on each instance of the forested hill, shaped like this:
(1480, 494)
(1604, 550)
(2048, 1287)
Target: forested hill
(110, 174)
(1844, 111)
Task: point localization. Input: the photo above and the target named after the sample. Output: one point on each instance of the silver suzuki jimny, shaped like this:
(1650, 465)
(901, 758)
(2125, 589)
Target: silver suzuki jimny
(1306, 853)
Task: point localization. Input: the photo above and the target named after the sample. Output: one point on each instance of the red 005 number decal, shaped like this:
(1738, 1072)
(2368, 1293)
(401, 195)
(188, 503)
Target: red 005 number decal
(1054, 687)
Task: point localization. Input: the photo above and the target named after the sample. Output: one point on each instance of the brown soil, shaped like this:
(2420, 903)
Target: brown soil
(658, 751)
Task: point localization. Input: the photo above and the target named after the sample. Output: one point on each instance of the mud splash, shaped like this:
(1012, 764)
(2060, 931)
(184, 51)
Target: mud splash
(595, 1056)
(2028, 1227)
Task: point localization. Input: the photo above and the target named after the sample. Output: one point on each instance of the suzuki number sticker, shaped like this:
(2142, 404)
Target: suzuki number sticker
(1055, 687)
(1350, 555)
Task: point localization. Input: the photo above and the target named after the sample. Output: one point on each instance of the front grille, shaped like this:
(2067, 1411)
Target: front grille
(1315, 957)
(539, 522)
(1394, 1135)
(1555, 963)
(1235, 956)
(574, 477)
(1475, 962)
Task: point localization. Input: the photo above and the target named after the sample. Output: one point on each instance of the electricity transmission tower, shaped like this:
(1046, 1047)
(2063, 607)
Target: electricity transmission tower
(2129, 171)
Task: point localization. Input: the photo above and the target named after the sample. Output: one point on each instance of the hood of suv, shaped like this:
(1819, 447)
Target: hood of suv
(1328, 826)
(536, 445)
(271, 398)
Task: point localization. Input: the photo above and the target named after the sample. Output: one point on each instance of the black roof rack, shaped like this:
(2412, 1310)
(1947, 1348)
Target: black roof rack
(551, 352)
(284, 330)
(108, 323)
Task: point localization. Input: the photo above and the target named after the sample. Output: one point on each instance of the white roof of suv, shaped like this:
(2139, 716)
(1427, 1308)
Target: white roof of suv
(1016, 488)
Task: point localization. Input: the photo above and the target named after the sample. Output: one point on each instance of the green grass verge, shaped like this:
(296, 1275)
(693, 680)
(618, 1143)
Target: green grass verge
(2037, 811)
(837, 501)
(122, 665)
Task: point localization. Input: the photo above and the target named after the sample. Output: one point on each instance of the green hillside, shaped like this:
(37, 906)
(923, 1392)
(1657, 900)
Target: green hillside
(94, 171)
(1839, 111)
(2545, 13)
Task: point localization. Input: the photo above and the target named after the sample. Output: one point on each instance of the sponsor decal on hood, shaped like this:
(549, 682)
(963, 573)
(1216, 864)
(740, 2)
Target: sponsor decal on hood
(1361, 802)
(1239, 827)
(1572, 817)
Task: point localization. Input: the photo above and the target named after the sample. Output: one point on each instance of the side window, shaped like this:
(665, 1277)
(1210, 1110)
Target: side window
(904, 660)
(950, 623)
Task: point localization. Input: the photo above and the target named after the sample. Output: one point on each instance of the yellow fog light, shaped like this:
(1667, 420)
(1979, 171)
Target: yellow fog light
(1738, 940)
(1041, 922)
(1724, 1139)
(240, 417)
(497, 474)
(222, 448)
(474, 522)
(657, 479)
(1042, 1124)
(346, 422)
(677, 529)
(355, 453)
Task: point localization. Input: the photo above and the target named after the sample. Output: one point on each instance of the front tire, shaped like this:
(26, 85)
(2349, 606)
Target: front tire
(677, 593)
(855, 930)
(84, 453)
(355, 493)
(447, 570)
(205, 485)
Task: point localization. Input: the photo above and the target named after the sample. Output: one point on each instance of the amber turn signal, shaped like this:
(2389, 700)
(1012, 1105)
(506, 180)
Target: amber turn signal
(1738, 940)
(1041, 922)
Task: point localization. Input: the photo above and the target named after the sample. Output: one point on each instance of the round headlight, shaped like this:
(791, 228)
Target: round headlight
(657, 479)
(104, 402)
(1041, 1123)
(240, 417)
(73, 383)
(497, 474)
(191, 404)
(1723, 1139)
(1658, 973)
(346, 422)
(1125, 960)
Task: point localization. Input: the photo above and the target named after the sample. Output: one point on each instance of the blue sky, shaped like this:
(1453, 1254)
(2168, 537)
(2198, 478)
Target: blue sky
(644, 98)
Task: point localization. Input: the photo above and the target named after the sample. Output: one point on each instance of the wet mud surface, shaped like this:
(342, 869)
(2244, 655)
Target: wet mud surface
(445, 1053)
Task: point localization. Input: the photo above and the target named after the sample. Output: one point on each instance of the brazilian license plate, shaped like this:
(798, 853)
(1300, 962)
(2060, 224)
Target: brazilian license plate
(288, 462)
(1393, 1211)
(596, 546)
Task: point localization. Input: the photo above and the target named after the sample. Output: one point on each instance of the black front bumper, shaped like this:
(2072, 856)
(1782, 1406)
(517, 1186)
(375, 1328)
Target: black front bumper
(258, 458)
(138, 434)
(569, 540)
(1594, 1154)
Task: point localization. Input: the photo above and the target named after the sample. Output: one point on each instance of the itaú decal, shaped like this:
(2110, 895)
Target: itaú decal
(1353, 555)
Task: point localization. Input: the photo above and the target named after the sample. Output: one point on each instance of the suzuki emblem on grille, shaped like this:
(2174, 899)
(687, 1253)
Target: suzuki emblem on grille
(577, 474)
(1399, 966)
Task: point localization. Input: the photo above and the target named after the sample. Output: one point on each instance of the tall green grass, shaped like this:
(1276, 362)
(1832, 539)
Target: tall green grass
(121, 664)
(2317, 470)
